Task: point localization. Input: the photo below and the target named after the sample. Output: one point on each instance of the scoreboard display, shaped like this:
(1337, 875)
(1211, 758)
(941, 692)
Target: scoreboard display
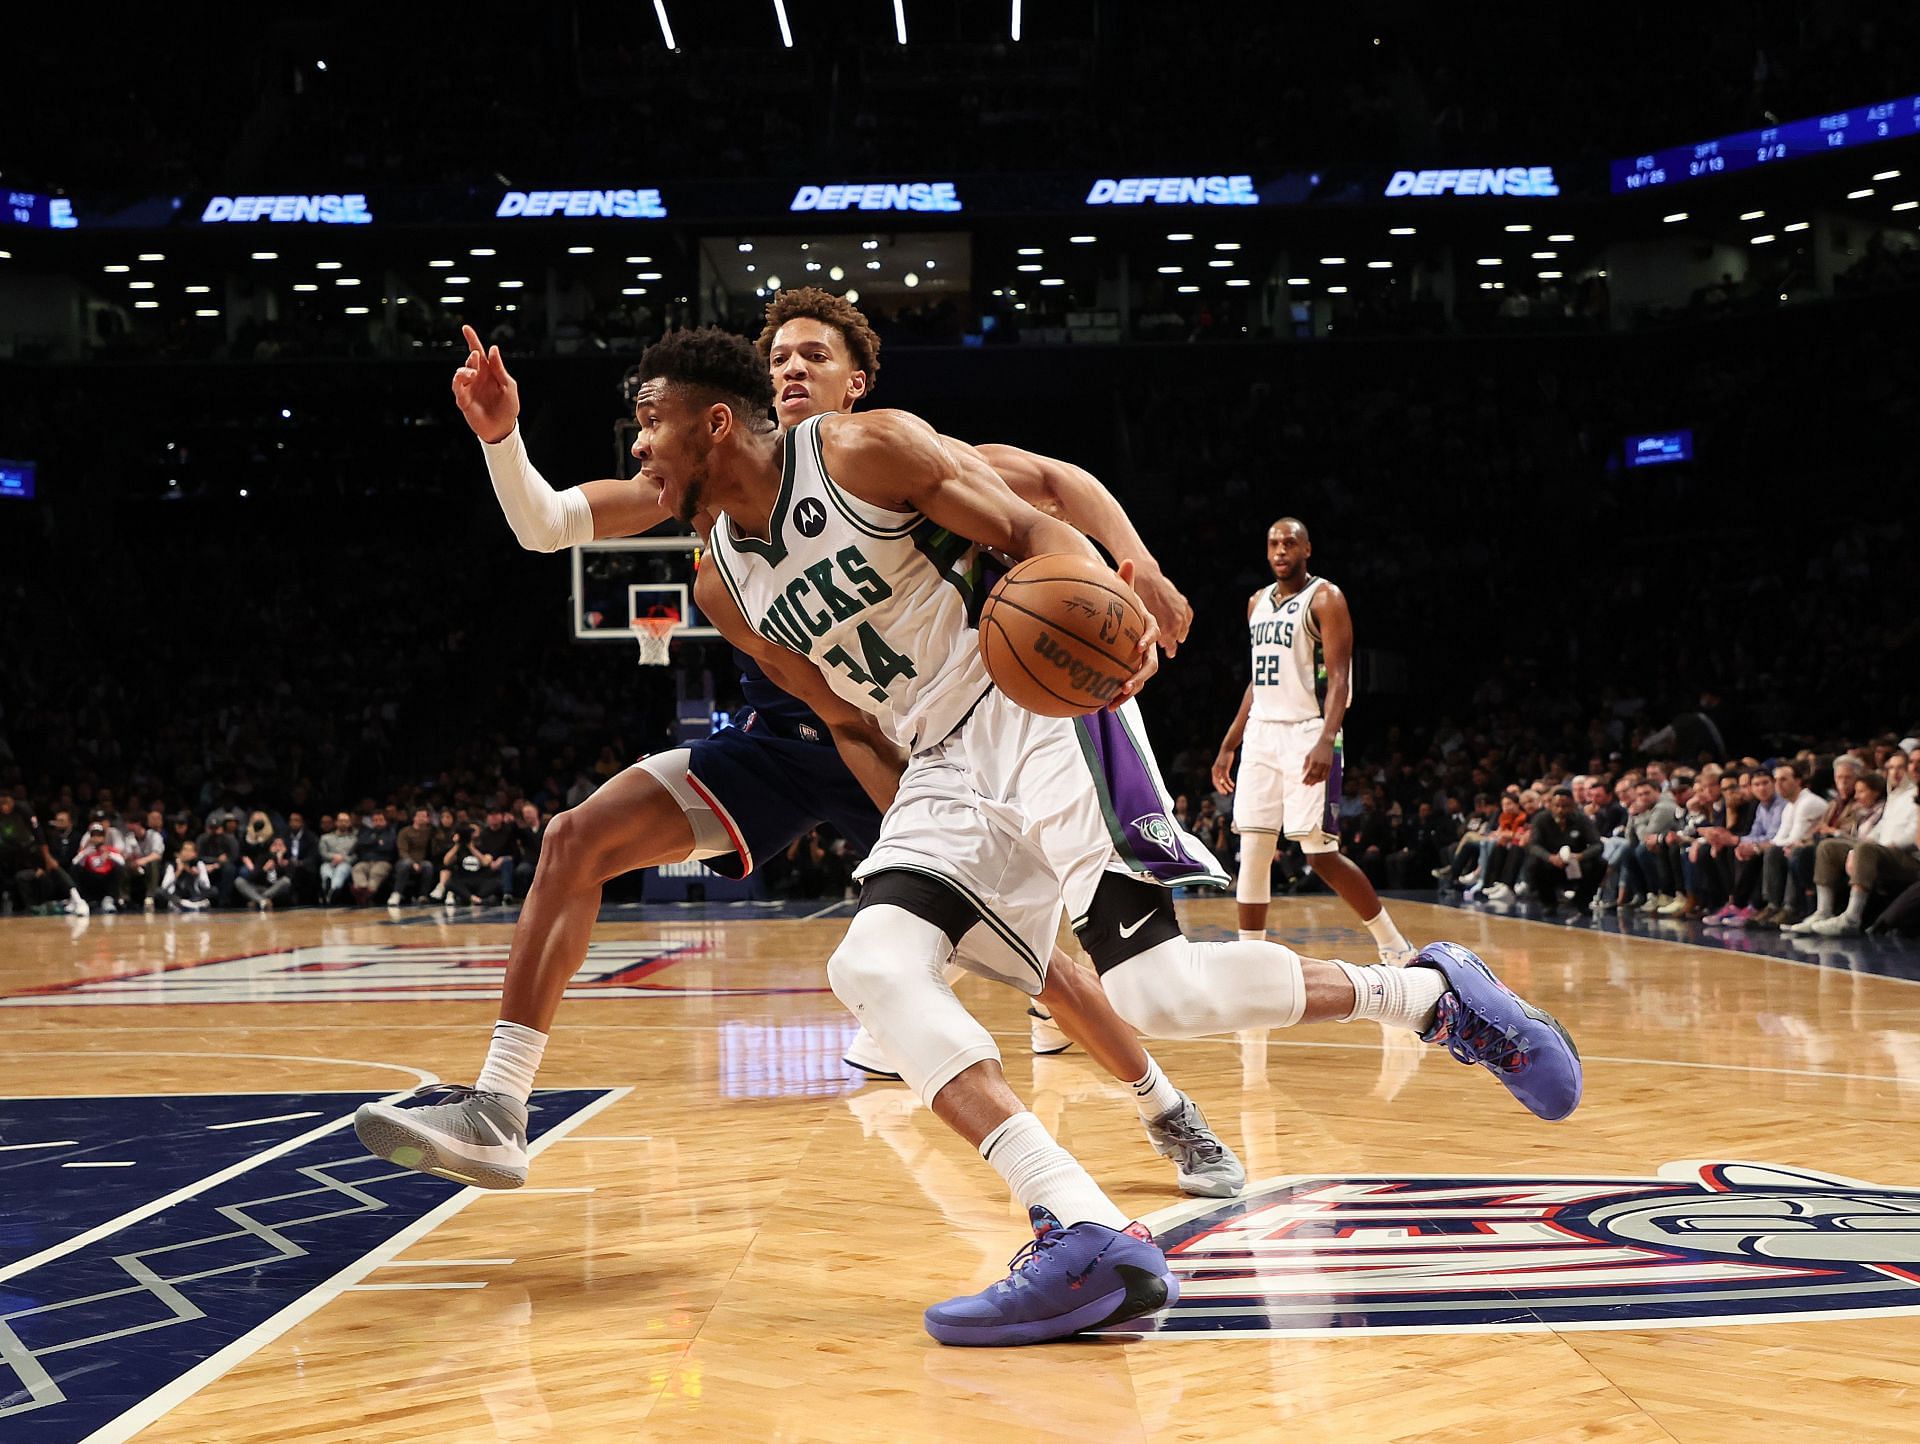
(1817, 135)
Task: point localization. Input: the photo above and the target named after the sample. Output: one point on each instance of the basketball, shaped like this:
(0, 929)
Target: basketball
(1059, 634)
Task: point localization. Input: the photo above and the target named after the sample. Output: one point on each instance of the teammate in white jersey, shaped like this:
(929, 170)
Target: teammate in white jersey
(850, 541)
(1301, 635)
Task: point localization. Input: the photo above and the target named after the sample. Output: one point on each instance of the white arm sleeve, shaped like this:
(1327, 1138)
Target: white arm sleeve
(543, 520)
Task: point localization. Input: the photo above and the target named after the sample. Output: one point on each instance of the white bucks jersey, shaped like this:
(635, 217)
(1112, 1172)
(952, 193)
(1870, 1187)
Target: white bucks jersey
(1289, 672)
(882, 602)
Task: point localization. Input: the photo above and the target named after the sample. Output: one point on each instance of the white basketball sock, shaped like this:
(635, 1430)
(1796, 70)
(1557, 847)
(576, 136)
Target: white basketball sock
(513, 1057)
(1829, 894)
(1153, 1095)
(1040, 1171)
(1385, 935)
(1400, 997)
(1856, 905)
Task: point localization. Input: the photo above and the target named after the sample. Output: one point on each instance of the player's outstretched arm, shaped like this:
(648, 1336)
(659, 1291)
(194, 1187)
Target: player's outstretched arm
(868, 752)
(1075, 495)
(1336, 647)
(543, 520)
(623, 507)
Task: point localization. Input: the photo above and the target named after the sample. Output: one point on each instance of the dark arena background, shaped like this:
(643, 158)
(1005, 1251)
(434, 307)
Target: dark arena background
(1582, 346)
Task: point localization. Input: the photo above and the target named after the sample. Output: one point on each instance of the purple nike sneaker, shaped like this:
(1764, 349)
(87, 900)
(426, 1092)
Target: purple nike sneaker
(1066, 1280)
(1481, 1020)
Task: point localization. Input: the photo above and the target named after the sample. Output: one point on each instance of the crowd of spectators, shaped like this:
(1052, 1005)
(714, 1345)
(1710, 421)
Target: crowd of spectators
(1808, 844)
(140, 855)
(362, 626)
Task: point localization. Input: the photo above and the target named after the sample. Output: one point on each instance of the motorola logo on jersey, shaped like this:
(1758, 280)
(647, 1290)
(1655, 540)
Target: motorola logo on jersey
(880, 196)
(810, 517)
(1513, 180)
(1701, 1243)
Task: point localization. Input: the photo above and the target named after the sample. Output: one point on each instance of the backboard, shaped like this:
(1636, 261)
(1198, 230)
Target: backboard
(616, 581)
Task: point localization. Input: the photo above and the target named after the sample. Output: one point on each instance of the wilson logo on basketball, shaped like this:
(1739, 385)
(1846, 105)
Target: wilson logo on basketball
(1090, 681)
(1701, 1243)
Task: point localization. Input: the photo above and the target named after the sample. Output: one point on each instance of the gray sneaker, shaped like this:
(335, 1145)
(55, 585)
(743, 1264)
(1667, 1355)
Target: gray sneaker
(473, 1138)
(1207, 1167)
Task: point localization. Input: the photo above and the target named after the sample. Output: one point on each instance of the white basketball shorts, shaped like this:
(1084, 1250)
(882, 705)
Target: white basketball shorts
(1270, 794)
(1019, 813)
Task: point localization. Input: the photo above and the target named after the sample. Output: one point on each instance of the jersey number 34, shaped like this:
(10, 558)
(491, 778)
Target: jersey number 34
(883, 663)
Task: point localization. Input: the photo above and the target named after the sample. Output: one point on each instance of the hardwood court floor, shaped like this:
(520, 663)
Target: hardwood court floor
(739, 1245)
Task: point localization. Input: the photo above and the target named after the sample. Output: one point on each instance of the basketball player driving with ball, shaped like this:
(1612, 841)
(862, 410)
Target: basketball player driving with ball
(750, 789)
(850, 540)
(863, 529)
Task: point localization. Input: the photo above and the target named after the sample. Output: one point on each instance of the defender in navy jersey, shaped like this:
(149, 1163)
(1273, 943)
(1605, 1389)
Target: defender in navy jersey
(773, 776)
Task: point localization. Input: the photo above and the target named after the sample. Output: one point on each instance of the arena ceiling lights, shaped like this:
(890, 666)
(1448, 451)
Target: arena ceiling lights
(1016, 24)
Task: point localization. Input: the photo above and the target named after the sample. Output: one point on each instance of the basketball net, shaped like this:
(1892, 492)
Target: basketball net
(655, 636)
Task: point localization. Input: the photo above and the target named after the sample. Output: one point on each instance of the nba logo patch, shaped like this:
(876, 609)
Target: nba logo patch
(1701, 1243)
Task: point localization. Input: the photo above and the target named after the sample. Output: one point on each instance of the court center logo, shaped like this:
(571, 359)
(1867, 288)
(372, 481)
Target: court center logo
(1701, 1243)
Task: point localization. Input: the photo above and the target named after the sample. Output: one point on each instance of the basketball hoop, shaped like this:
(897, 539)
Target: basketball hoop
(655, 636)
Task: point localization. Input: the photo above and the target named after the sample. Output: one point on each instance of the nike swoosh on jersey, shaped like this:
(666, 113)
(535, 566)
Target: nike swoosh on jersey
(1127, 932)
